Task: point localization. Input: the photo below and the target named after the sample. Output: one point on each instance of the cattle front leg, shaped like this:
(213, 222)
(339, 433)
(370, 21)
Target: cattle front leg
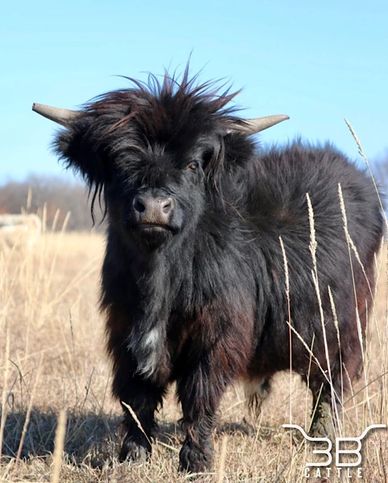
(139, 399)
(200, 393)
(199, 416)
(139, 410)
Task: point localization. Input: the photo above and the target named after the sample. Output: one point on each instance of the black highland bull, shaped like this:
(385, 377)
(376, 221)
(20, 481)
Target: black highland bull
(193, 282)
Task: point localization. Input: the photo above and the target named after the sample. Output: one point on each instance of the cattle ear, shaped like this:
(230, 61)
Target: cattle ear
(211, 153)
(237, 150)
(79, 144)
(82, 150)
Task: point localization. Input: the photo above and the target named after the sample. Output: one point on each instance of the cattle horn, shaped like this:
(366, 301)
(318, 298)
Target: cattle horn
(252, 126)
(56, 114)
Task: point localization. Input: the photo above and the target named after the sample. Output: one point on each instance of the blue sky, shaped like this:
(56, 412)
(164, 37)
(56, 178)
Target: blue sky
(318, 62)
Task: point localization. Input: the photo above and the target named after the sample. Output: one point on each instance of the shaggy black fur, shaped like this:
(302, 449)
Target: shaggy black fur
(201, 299)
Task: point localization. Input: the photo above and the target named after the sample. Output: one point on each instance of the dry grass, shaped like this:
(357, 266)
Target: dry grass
(52, 360)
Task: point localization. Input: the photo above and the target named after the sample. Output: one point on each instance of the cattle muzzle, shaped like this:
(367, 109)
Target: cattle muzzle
(153, 212)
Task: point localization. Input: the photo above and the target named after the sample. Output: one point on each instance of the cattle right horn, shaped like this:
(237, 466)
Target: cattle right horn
(56, 114)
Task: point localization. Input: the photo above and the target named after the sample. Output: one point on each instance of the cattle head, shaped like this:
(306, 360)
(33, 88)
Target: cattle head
(157, 152)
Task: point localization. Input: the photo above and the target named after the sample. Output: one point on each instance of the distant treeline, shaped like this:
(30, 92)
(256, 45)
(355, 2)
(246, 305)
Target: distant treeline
(52, 198)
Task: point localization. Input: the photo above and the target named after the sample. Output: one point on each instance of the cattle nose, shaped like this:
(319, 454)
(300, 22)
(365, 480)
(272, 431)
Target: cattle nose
(166, 205)
(153, 209)
(139, 204)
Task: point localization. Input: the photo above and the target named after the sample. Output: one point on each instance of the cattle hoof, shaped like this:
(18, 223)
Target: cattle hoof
(322, 429)
(323, 425)
(194, 459)
(133, 452)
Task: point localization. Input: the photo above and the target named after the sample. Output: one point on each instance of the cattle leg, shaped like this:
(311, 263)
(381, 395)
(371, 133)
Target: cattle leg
(139, 399)
(323, 420)
(137, 441)
(256, 392)
(198, 422)
(200, 393)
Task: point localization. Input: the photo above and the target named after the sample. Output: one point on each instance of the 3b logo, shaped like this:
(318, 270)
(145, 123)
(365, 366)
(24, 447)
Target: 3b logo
(339, 448)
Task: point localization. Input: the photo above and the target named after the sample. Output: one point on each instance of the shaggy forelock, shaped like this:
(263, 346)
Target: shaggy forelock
(168, 109)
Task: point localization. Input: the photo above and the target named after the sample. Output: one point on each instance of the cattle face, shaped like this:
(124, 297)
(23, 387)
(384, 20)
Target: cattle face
(158, 193)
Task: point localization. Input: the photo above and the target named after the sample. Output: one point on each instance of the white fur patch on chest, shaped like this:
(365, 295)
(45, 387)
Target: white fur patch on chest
(152, 338)
(150, 351)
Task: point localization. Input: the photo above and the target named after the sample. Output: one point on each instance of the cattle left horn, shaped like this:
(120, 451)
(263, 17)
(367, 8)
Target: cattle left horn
(252, 126)
(56, 114)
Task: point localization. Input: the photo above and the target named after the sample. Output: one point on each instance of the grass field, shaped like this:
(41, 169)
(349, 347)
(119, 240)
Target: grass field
(52, 359)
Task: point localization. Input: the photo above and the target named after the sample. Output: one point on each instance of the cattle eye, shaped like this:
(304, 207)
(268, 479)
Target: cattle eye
(193, 166)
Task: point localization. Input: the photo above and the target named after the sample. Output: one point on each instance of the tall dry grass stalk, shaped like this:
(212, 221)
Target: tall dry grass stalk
(314, 274)
(364, 157)
(58, 447)
(336, 324)
(289, 322)
(28, 414)
(222, 460)
(136, 419)
(4, 391)
(358, 320)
